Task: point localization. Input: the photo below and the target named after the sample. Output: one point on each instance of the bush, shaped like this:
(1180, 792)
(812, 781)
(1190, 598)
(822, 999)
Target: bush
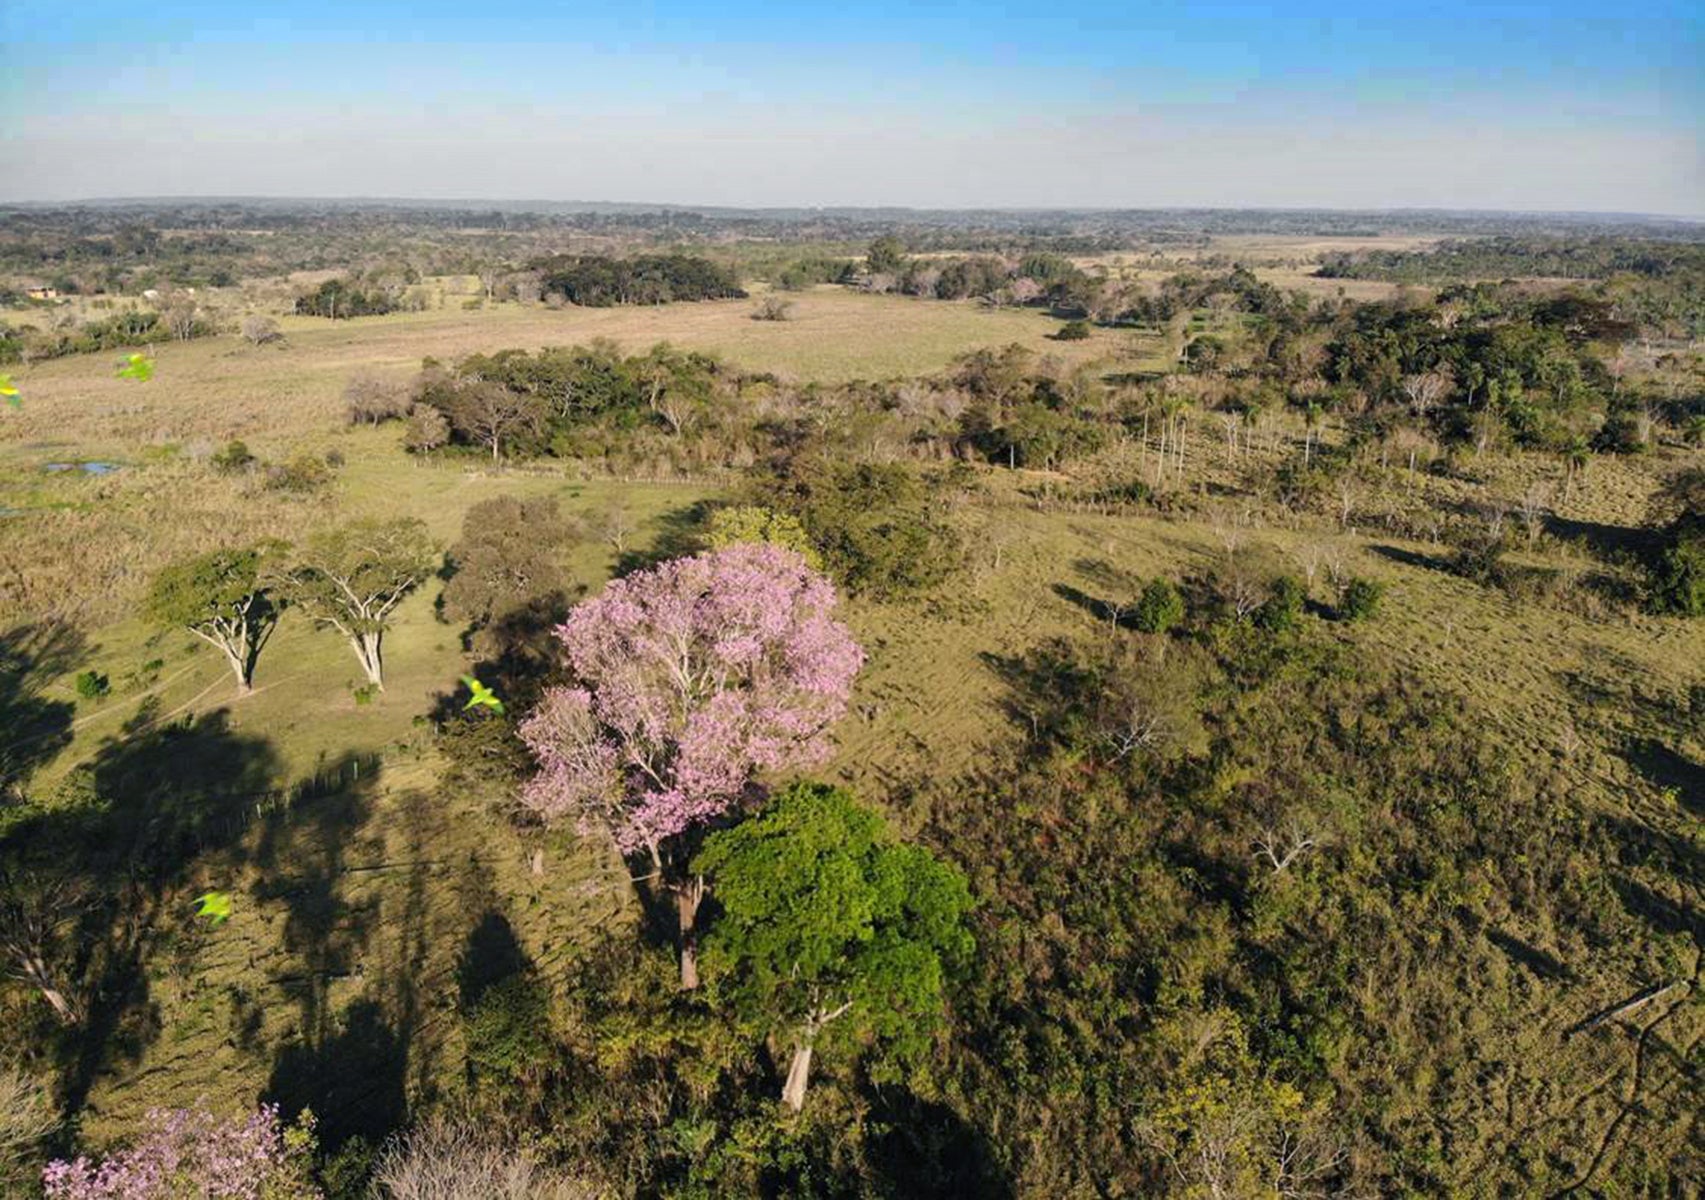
(1283, 607)
(1158, 608)
(1679, 580)
(874, 526)
(1072, 331)
(233, 458)
(92, 685)
(773, 308)
(304, 473)
(1361, 599)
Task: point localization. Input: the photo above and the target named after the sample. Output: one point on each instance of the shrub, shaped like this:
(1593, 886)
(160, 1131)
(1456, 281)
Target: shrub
(1158, 608)
(1283, 606)
(258, 330)
(773, 308)
(232, 458)
(1072, 331)
(1679, 580)
(92, 685)
(1361, 599)
(460, 1162)
(304, 473)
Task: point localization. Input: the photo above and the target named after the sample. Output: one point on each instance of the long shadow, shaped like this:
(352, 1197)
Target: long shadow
(1107, 576)
(150, 805)
(927, 1149)
(1101, 610)
(1412, 558)
(33, 728)
(1546, 966)
(1613, 542)
(1669, 769)
(680, 532)
(354, 1077)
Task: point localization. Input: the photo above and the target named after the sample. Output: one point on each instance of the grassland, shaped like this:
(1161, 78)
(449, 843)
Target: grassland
(361, 898)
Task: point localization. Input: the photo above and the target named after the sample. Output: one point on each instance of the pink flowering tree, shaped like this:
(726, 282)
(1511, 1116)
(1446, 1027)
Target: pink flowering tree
(191, 1152)
(689, 680)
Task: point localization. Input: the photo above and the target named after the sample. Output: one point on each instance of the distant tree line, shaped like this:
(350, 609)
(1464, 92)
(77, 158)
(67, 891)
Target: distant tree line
(1458, 260)
(596, 281)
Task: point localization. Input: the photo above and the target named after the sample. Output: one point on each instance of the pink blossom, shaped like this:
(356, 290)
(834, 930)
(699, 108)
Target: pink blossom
(692, 677)
(188, 1152)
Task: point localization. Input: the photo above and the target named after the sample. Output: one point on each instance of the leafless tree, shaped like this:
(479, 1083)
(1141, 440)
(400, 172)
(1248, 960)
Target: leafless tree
(371, 399)
(528, 285)
(441, 1161)
(259, 330)
(1348, 493)
(616, 527)
(1426, 390)
(179, 313)
(1283, 846)
(33, 914)
(1535, 504)
(26, 1117)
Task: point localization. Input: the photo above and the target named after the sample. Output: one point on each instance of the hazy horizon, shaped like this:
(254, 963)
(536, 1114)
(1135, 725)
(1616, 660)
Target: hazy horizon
(1511, 108)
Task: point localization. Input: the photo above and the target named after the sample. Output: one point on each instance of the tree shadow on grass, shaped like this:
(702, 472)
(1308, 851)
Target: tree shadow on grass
(1413, 558)
(680, 532)
(33, 728)
(146, 809)
(1668, 769)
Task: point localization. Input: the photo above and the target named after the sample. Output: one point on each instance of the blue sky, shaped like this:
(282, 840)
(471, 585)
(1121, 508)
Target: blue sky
(1557, 107)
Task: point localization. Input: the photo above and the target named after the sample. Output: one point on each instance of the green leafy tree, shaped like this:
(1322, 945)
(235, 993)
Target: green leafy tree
(353, 577)
(755, 523)
(829, 922)
(1159, 608)
(222, 597)
(511, 552)
(1361, 599)
(886, 255)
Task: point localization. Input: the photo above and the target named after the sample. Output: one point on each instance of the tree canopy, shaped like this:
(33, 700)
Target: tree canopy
(829, 921)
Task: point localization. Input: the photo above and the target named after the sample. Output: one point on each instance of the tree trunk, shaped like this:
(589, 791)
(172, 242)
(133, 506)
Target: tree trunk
(367, 651)
(239, 668)
(798, 1078)
(688, 897)
(61, 1006)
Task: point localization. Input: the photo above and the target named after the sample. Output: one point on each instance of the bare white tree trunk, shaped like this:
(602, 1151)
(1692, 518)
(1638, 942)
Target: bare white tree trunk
(798, 1078)
(366, 647)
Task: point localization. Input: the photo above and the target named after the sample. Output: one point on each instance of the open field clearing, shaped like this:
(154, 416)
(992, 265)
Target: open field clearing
(220, 387)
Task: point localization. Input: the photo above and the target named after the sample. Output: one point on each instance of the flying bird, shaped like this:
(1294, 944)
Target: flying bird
(215, 906)
(9, 390)
(483, 696)
(138, 367)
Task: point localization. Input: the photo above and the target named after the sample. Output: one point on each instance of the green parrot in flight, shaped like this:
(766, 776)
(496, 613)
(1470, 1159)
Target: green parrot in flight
(9, 390)
(215, 906)
(138, 367)
(482, 696)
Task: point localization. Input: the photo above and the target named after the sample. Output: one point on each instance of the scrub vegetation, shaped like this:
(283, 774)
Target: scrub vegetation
(1090, 705)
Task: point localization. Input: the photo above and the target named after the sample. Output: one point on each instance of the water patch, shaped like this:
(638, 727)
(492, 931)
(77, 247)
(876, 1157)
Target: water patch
(88, 468)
